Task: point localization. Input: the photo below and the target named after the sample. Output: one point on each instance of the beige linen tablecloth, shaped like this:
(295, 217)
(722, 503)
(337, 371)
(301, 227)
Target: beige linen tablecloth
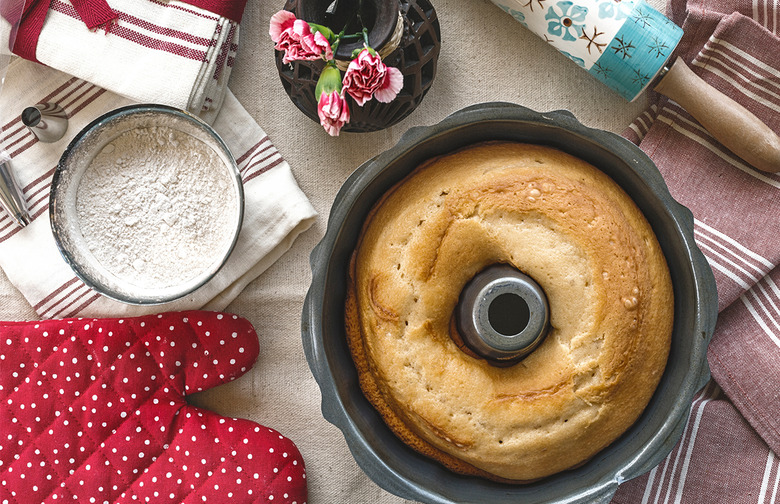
(485, 56)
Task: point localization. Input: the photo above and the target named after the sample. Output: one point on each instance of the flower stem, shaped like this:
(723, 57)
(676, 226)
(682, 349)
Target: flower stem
(354, 36)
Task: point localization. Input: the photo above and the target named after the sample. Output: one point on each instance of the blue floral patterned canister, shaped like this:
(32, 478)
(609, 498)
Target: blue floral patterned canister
(623, 43)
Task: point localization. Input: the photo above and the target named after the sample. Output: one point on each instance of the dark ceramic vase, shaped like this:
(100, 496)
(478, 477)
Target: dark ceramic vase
(406, 34)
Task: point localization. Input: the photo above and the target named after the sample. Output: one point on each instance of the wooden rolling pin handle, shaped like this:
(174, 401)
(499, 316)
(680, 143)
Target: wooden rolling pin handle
(730, 123)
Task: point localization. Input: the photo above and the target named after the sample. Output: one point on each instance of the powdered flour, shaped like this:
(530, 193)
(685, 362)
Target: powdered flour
(156, 207)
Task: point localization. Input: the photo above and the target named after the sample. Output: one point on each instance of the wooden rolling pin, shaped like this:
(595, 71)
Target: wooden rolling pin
(730, 123)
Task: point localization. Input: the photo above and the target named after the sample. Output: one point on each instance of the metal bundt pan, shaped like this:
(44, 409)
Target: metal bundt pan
(402, 471)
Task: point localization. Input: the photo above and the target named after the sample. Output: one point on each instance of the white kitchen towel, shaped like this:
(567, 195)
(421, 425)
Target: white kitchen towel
(159, 52)
(276, 210)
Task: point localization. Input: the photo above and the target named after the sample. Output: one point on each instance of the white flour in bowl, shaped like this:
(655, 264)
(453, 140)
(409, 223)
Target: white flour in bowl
(156, 207)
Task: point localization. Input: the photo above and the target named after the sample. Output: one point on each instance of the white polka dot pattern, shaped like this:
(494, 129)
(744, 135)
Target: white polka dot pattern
(94, 410)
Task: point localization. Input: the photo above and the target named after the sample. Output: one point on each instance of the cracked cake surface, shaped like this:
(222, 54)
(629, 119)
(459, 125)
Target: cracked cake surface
(574, 231)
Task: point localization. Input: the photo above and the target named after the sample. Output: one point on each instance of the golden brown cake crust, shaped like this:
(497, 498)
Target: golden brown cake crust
(560, 221)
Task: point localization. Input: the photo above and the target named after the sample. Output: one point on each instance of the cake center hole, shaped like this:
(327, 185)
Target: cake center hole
(509, 314)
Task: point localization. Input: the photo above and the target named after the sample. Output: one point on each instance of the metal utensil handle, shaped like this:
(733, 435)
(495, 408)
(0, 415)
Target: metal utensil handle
(12, 195)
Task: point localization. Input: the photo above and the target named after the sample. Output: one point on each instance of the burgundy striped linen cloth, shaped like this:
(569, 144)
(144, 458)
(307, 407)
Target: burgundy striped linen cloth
(728, 453)
(168, 52)
(276, 210)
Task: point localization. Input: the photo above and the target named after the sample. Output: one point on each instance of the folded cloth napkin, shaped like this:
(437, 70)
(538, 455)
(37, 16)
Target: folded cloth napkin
(170, 52)
(276, 210)
(729, 449)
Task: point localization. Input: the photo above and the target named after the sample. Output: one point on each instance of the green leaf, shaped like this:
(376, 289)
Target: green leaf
(327, 32)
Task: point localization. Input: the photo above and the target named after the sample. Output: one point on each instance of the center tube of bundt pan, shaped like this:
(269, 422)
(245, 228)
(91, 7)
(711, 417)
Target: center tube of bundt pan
(502, 315)
(624, 45)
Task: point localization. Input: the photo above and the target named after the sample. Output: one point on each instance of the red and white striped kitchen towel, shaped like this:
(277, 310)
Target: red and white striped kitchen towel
(728, 453)
(171, 52)
(276, 210)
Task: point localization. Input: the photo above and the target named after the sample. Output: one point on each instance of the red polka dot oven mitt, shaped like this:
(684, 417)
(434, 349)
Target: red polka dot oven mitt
(94, 411)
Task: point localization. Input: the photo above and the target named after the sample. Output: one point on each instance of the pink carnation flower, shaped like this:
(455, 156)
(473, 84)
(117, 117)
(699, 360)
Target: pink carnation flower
(333, 112)
(281, 22)
(295, 38)
(368, 77)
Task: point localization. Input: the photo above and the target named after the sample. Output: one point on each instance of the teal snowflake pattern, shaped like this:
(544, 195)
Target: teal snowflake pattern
(622, 47)
(668, 22)
(643, 18)
(658, 46)
(569, 23)
(602, 70)
(640, 78)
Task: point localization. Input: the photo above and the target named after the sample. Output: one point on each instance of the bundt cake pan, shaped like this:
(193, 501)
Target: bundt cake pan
(402, 471)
